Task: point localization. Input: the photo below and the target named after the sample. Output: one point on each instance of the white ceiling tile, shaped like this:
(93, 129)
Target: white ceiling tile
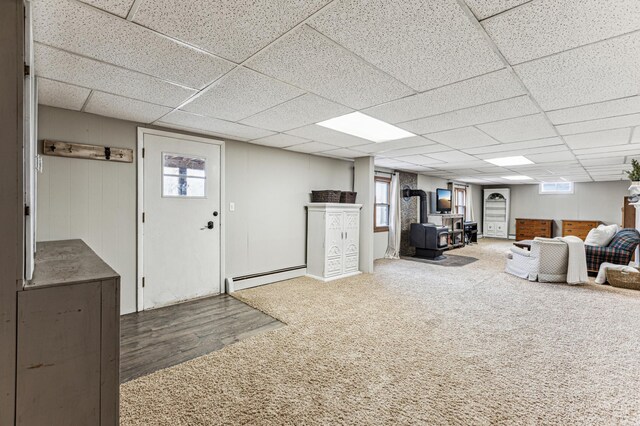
(596, 139)
(233, 29)
(428, 149)
(298, 112)
(453, 156)
(544, 27)
(420, 160)
(601, 124)
(595, 111)
(81, 29)
(635, 137)
(602, 161)
(516, 146)
(310, 60)
(607, 151)
(280, 140)
(465, 137)
(482, 9)
(476, 91)
(61, 95)
(552, 157)
(594, 73)
(326, 135)
(240, 94)
(220, 127)
(519, 129)
(527, 152)
(494, 111)
(311, 147)
(124, 108)
(345, 153)
(412, 142)
(58, 65)
(396, 36)
(391, 163)
(117, 7)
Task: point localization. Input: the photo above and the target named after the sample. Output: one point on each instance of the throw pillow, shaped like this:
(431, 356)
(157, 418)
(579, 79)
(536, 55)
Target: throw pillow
(601, 236)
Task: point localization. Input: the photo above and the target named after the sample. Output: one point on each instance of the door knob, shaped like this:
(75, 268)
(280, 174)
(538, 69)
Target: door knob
(209, 225)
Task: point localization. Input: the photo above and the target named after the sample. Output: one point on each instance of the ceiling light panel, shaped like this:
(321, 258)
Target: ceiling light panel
(516, 177)
(298, 112)
(595, 111)
(81, 29)
(62, 66)
(466, 137)
(61, 95)
(240, 94)
(326, 135)
(493, 111)
(509, 161)
(221, 127)
(310, 60)
(542, 28)
(117, 7)
(475, 91)
(519, 129)
(233, 30)
(594, 73)
(109, 105)
(365, 127)
(601, 124)
(394, 36)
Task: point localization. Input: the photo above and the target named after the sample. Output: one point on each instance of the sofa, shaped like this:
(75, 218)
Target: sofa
(619, 251)
(547, 261)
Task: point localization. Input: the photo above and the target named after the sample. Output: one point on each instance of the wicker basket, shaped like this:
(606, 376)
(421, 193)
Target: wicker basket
(348, 197)
(326, 196)
(623, 279)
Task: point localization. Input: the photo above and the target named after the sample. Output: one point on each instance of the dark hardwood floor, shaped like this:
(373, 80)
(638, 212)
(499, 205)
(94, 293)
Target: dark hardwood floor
(159, 338)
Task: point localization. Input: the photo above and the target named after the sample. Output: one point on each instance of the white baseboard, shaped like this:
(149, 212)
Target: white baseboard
(326, 280)
(232, 285)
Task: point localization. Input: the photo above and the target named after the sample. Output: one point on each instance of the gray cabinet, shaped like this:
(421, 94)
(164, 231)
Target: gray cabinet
(68, 339)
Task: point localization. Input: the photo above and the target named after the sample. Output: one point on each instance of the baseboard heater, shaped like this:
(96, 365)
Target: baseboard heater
(262, 278)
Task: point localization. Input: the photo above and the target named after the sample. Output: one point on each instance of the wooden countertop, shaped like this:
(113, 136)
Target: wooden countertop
(67, 262)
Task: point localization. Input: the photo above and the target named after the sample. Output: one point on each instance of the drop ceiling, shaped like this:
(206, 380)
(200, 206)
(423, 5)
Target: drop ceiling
(556, 81)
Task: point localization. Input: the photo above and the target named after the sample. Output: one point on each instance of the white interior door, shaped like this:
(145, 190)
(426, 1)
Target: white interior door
(181, 225)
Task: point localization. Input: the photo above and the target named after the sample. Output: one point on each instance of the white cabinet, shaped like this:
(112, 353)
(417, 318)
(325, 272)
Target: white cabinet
(333, 240)
(496, 212)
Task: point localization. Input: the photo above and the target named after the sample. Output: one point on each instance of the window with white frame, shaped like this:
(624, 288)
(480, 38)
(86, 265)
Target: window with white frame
(556, 188)
(183, 176)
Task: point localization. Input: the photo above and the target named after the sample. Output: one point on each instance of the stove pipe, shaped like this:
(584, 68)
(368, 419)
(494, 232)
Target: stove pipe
(423, 201)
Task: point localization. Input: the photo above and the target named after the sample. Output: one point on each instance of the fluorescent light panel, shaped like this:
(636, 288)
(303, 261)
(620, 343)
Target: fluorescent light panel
(517, 177)
(365, 127)
(510, 161)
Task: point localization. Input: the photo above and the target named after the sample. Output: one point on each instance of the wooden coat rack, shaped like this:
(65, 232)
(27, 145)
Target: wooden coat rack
(88, 152)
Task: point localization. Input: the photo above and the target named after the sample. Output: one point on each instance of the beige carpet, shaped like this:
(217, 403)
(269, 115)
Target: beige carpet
(414, 344)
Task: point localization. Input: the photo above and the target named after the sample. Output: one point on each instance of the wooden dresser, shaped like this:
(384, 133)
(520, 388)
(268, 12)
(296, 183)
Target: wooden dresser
(528, 229)
(68, 339)
(579, 228)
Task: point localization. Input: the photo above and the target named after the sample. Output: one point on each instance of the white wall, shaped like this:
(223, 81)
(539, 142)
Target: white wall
(590, 201)
(96, 200)
(380, 244)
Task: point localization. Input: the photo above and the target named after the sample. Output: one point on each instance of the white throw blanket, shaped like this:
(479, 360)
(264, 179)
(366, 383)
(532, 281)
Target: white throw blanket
(577, 269)
(602, 273)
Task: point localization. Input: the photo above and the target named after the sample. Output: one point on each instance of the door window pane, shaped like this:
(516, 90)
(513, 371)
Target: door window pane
(183, 176)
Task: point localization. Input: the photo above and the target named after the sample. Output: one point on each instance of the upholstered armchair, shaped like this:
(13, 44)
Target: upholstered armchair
(546, 262)
(619, 251)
